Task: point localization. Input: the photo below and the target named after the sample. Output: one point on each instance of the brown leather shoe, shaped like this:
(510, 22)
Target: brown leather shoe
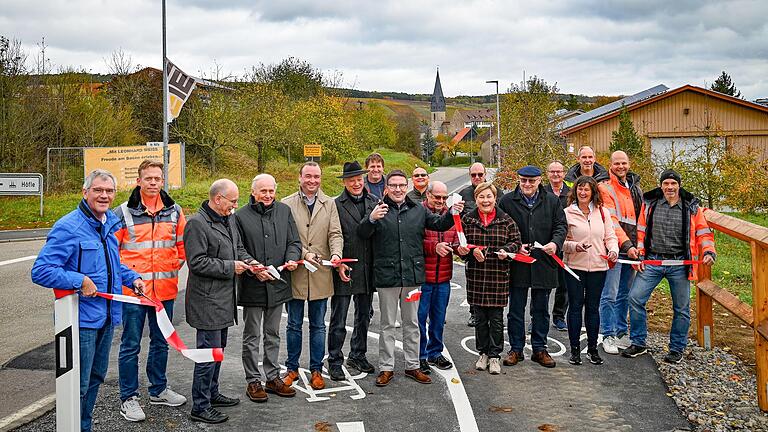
(418, 376)
(513, 358)
(290, 377)
(256, 392)
(384, 378)
(316, 381)
(543, 358)
(278, 387)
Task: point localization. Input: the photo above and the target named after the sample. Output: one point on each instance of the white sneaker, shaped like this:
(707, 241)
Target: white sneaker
(623, 342)
(131, 410)
(482, 362)
(495, 366)
(397, 324)
(168, 397)
(609, 345)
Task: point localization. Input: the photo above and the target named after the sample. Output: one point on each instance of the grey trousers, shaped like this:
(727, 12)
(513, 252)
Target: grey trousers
(389, 299)
(260, 322)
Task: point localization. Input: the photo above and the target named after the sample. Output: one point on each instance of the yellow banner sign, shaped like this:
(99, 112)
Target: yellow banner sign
(123, 162)
(312, 150)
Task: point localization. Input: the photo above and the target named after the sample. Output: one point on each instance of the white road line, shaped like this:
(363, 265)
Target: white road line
(351, 427)
(20, 414)
(17, 260)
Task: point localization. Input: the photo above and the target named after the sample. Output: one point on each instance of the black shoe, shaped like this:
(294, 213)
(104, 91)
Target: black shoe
(223, 401)
(336, 373)
(594, 357)
(210, 415)
(424, 367)
(673, 357)
(472, 321)
(361, 364)
(440, 362)
(634, 351)
(575, 356)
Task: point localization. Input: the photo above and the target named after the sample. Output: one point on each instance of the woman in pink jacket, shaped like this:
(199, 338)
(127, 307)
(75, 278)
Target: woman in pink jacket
(590, 237)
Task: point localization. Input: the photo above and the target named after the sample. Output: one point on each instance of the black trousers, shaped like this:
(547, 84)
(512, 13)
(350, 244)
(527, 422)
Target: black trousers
(337, 331)
(205, 381)
(561, 297)
(584, 295)
(489, 331)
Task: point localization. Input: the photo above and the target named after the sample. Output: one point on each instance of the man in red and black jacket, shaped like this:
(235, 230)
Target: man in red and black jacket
(436, 290)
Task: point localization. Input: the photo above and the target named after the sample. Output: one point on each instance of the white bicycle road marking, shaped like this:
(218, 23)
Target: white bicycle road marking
(351, 426)
(17, 260)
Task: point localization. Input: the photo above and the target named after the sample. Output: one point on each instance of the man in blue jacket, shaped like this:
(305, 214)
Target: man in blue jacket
(81, 254)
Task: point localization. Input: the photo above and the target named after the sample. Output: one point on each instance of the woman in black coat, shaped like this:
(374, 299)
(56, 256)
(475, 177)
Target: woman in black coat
(488, 273)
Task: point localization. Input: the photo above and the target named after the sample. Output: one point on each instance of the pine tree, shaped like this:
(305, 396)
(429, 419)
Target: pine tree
(625, 138)
(428, 145)
(724, 85)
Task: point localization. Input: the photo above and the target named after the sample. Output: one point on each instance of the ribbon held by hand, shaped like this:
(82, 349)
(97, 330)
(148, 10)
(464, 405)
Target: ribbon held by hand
(413, 295)
(518, 257)
(653, 262)
(337, 262)
(559, 262)
(457, 219)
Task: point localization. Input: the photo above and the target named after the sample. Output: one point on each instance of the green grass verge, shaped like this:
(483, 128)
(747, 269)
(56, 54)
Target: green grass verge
(23, 212)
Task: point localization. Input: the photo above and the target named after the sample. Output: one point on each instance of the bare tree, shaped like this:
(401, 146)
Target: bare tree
(119, 63)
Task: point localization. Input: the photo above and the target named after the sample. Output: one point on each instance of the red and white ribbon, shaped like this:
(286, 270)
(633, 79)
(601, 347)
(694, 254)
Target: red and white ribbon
(457, 219)
(337, 262)
(558, 261)
(413, 295)
(518, 257)
(201, 355)
(653, 262)
(307, 265)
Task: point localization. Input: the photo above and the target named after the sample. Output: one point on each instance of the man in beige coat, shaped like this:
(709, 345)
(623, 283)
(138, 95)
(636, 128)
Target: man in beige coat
(317, 220)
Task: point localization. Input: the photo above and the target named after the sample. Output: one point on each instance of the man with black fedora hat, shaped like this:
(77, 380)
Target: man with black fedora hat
(671, 227)
(352, 281)
(541, 219)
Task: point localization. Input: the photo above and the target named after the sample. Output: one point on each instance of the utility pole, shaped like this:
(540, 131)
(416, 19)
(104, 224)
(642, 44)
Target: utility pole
(498, 125)
(165, 110)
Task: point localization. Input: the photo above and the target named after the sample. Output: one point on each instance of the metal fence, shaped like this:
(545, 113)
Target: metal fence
(64, 168)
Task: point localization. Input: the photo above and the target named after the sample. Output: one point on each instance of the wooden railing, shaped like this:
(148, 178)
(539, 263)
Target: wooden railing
(755, 316)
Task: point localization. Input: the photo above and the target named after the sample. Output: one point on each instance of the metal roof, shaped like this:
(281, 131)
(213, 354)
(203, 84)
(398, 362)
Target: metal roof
(611, 107)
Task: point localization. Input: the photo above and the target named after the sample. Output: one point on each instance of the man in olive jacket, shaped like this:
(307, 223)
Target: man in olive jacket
(317, 220)
(215, 256)
(353, 280)
(540, 218)
(397, 229)
(270, 236)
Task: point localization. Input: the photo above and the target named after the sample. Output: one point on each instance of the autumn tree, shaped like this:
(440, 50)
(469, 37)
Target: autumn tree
(407, 131)
(297, 78)
(372, 127)
(264, 120)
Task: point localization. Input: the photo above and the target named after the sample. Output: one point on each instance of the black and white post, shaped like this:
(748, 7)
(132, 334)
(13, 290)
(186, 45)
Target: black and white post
(67, 342)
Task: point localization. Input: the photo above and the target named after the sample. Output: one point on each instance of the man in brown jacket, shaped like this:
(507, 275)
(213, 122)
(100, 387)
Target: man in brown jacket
(317, 220)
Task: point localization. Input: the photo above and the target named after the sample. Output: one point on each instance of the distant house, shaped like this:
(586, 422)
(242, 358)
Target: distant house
(477, 118)
(683, 116)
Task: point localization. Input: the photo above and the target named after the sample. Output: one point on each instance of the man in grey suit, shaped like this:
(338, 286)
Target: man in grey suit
(216, 257)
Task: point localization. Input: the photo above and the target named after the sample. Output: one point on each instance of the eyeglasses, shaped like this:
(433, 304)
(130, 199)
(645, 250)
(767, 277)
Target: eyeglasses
(398, 186)
(100, 191)
(477, 174)
(528, 180)
(440, 197)
(421, 175)
(231, 201)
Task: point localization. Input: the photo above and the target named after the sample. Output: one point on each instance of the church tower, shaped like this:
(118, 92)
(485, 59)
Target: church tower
(437, 107)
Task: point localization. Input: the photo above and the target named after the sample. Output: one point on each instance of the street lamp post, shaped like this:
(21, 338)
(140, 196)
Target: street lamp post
(498, 124)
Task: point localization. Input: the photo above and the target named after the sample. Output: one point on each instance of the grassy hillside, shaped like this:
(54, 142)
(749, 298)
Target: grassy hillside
(420, 108)
(23, 212)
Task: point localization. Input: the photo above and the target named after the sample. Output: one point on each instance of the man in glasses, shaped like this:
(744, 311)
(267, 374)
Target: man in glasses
(436, 290)
(81, 256)
(396, 226)
(420, 180)
(541, 219)
(558, 188)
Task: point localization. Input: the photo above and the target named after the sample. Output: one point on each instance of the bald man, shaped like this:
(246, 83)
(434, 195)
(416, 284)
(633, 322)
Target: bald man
(587, 166)
(420, 180)
(215, 256)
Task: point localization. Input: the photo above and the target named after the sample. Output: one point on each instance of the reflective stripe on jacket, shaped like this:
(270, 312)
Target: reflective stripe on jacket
(624, 205)
(152, 245)
(698, 235)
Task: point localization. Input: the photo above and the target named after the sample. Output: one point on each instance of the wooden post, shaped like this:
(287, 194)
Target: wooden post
(760, 307)
(705, 323)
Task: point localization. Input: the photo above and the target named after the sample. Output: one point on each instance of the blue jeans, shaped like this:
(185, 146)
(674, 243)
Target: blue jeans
(680, 288)
(130, 345)
(316, 333)
(94, 359)
(614, 303)
(584, 296)
(432, 304)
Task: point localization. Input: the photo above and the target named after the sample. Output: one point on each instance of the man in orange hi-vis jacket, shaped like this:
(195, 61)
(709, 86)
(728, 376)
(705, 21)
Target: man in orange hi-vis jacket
(152, 244)
(671, 229)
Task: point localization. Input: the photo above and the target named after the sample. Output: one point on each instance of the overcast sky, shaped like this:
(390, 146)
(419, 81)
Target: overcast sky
(586, 47)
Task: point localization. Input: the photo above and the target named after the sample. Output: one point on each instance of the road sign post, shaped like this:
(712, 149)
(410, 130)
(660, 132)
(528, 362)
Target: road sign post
(22, 184)
(67, 342)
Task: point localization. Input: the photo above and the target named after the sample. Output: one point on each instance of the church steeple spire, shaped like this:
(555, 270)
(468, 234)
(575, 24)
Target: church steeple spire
(437, 103)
